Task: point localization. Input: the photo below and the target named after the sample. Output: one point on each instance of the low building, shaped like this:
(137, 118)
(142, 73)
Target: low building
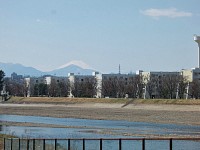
(153, 79)
(117, 82)
(80, 83)
(191, 74)
(16, 78)
(50, 79)
(30, 82)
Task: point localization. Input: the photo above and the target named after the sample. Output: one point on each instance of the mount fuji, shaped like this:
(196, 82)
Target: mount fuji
(76, 67)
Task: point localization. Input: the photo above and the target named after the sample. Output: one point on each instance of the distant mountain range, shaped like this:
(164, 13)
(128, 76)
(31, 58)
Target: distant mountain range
(9, 68)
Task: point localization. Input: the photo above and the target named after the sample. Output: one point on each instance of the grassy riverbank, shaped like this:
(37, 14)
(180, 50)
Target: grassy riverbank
(64, 100)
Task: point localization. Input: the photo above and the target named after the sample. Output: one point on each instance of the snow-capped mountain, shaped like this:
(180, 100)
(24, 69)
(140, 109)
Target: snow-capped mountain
(77, 63)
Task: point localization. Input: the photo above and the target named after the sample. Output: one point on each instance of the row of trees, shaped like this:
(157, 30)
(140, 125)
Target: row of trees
(53, 90)
(2, 74)
(170, 86)
(119, 87)
(86, 88)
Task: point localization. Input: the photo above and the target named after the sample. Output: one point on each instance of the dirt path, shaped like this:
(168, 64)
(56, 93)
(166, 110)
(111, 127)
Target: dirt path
(175, 114)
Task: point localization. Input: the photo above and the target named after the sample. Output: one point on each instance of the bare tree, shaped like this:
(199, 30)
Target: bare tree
(182, 86)
(63, 89)
(14, 88)
(53, 89)
(2, 75)
(167, 87)
(151, 87)
(131, 87)
(140, 86)
(194, 89)
(110, 87)
(86, 87)
(116, 86)
(134, 87)
(119, 86)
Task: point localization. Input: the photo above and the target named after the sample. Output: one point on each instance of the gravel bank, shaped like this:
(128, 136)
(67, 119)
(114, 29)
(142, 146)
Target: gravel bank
(168, 114)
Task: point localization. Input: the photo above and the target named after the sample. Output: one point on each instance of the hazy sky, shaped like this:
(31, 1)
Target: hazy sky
(154, 35)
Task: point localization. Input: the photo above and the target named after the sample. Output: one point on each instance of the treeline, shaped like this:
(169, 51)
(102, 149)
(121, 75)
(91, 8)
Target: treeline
(163, 87)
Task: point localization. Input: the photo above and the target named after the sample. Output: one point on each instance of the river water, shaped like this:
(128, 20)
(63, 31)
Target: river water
(85, 128)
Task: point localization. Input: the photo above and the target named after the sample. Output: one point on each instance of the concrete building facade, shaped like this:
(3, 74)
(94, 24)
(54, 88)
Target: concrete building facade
(101, 78)
(30, 82)
(154, 78)
(191, 74)
(146, 77)
(74, 79)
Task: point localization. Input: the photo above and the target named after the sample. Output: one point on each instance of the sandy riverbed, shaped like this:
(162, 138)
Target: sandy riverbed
(157, 113)
(169, 114)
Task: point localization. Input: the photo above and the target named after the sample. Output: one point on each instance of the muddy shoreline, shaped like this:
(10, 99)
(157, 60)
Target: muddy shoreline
(164, 114)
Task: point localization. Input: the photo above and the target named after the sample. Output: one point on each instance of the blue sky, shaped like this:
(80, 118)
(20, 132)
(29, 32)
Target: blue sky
(151, 35)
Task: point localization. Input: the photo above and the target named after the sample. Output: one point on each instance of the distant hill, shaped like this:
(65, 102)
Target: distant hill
(9, 68)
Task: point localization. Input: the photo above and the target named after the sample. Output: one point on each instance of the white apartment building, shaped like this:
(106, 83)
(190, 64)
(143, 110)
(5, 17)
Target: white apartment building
(50, 79)
(99, 79)
(79, 78)
(125, 78)
(191, 74)
(151, 76)
(154, 77)
(31, 81)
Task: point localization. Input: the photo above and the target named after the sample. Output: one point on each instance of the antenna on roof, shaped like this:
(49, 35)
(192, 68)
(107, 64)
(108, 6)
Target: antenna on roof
(119, 69)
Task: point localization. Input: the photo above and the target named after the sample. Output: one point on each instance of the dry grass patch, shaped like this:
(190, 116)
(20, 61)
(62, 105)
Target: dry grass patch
(66, 100)
(168, 101)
